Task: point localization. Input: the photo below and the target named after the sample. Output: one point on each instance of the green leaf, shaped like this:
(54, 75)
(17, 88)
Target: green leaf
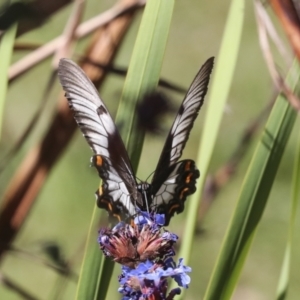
(6, 51)
(144, 71)
(93, 258)
(222, 78)
(284, 274)
(253, 198)
(142, 77)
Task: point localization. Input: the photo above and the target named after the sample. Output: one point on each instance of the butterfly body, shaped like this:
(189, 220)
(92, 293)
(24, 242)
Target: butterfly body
(120, 194)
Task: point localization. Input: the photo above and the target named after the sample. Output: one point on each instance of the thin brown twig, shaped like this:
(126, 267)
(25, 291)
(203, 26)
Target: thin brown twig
(62, 51)
(82, 30)
(33, 171)
(69, 36)
(287, 14)
(24, 46)
(264, 42)
(270, 28)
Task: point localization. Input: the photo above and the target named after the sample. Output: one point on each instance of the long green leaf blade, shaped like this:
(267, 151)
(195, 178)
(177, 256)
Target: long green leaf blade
(222, 78)
(143, 76)
(285, 270)
(93, 258)
(144, 71)
(253, 198)
(6, 51)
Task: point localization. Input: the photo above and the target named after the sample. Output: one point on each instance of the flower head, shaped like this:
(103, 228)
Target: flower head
(130, 245)
(145, 250)
(148, 281)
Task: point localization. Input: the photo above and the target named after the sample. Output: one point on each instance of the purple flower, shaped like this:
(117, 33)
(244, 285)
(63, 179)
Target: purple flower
(179, 274)
(145, 250)
(149, 280)
(155, 220)
(130, 245)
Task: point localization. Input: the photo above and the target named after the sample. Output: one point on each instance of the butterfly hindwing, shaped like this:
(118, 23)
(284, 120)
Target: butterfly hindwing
(172, 193)
(168, 166)
(111, 158)
(113, 194)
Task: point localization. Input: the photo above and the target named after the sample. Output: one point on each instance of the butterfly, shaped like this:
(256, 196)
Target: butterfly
(120, 194)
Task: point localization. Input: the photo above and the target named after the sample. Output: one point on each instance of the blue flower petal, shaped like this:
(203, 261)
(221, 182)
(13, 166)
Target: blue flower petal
(160, 219)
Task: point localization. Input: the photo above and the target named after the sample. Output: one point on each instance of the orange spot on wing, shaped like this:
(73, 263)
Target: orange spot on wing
(173, 207)
(188, 178)
(109, 206)
(187, 166)
(100, 191)
(182, 194)
(118, 217)
(99, 160)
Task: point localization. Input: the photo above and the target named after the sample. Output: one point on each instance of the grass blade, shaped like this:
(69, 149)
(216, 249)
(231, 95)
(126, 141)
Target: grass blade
(93, 259)
(144, 71)
(222, 78)
(253, 198)
(284, 275)
(143, 75)
(6, 51)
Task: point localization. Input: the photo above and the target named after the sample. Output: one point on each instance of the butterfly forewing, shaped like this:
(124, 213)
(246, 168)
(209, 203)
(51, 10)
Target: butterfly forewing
(184, 120)
(111, 158)
(167, 166)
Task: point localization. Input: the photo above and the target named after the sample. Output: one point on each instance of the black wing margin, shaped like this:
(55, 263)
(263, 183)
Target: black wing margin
(111, 158)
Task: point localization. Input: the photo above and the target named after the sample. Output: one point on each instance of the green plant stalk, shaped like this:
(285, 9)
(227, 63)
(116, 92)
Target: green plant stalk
(222, 78)
(143, 72)
(6, 51)
(253, 198)
(142, 77)
(93, 258)
(285, 270)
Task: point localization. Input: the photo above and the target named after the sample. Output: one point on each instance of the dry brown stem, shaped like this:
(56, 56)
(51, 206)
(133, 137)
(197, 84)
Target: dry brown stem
(33, 171)
(287, 14)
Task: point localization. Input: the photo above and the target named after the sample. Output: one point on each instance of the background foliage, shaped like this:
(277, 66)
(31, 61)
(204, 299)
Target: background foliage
(63, 209)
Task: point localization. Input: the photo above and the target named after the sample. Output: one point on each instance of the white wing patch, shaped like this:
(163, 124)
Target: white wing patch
(167, 190)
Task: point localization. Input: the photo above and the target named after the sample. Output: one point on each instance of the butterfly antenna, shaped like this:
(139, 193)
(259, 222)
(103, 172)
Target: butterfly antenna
(149, 175)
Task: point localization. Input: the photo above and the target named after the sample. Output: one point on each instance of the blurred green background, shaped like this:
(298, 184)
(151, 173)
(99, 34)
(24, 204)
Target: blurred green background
(63, 210)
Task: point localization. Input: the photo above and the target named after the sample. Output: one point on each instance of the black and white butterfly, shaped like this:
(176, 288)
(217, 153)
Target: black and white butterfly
(120, 194)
